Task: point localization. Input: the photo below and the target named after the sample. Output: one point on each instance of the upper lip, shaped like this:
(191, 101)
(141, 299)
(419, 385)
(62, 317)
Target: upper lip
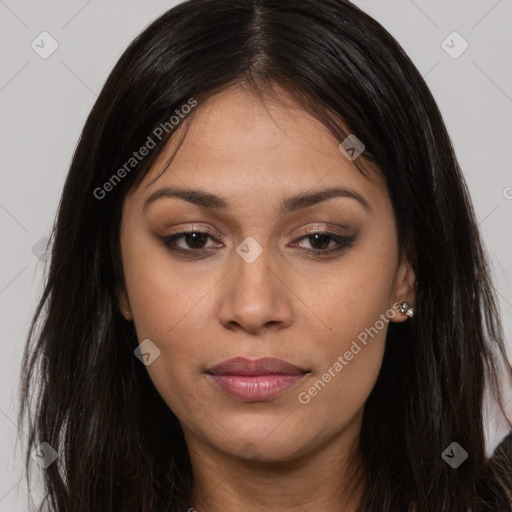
(251, 367)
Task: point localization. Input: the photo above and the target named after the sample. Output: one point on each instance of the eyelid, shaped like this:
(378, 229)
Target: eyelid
(342, 242)
(219, 237)
(320, 230)
(200, 229)
(169, 240)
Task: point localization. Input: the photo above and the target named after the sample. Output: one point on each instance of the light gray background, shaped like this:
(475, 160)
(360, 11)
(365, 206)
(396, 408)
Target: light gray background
(44, 103)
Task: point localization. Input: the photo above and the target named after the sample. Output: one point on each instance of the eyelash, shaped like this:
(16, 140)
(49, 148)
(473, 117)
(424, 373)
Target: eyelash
(342, 241)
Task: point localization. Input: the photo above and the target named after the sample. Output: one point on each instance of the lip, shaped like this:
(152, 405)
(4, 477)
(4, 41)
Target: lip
(255, 380)
(255, 367)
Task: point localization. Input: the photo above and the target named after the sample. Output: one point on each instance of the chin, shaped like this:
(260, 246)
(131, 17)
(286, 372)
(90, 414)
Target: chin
(258, 446)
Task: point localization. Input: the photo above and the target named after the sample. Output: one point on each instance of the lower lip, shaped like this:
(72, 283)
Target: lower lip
(258, 388)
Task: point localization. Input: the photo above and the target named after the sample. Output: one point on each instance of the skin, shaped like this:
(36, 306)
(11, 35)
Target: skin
(280, 454)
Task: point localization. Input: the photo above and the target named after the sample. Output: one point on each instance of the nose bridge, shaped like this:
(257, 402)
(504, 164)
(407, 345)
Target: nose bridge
(253, 272)
(253, 295)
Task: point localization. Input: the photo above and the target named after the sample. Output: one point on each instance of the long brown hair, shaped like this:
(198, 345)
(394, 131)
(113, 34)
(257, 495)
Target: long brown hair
(86, 395)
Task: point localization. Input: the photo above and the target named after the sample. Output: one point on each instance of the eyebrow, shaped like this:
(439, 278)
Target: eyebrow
(290, 204)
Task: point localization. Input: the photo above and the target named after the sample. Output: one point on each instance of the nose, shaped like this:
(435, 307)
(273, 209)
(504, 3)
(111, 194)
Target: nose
(255, 296)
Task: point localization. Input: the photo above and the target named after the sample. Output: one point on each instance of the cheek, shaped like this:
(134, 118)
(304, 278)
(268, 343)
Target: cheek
(176, 327)
(165, 297)
(172, 314)
(171, 308)
(348, 362)
(351, 299)
(355, 310)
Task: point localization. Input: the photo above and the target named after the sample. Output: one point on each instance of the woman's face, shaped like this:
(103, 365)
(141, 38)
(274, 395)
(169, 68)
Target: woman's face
(258, 283)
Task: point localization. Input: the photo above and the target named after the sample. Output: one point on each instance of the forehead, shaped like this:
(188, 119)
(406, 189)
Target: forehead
(235, 141)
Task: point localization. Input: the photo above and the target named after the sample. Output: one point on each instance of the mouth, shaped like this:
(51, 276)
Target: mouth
(255, 380)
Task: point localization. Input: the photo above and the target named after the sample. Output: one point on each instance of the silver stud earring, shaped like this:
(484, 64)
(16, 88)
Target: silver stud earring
(406, 309)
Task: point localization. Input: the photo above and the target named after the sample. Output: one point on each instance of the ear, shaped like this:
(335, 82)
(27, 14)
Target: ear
(123, 302)
(404, 289)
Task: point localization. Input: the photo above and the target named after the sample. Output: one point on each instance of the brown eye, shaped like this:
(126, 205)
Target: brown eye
(193, 240)
(325, 243)
(194, 243)
(320, 241)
